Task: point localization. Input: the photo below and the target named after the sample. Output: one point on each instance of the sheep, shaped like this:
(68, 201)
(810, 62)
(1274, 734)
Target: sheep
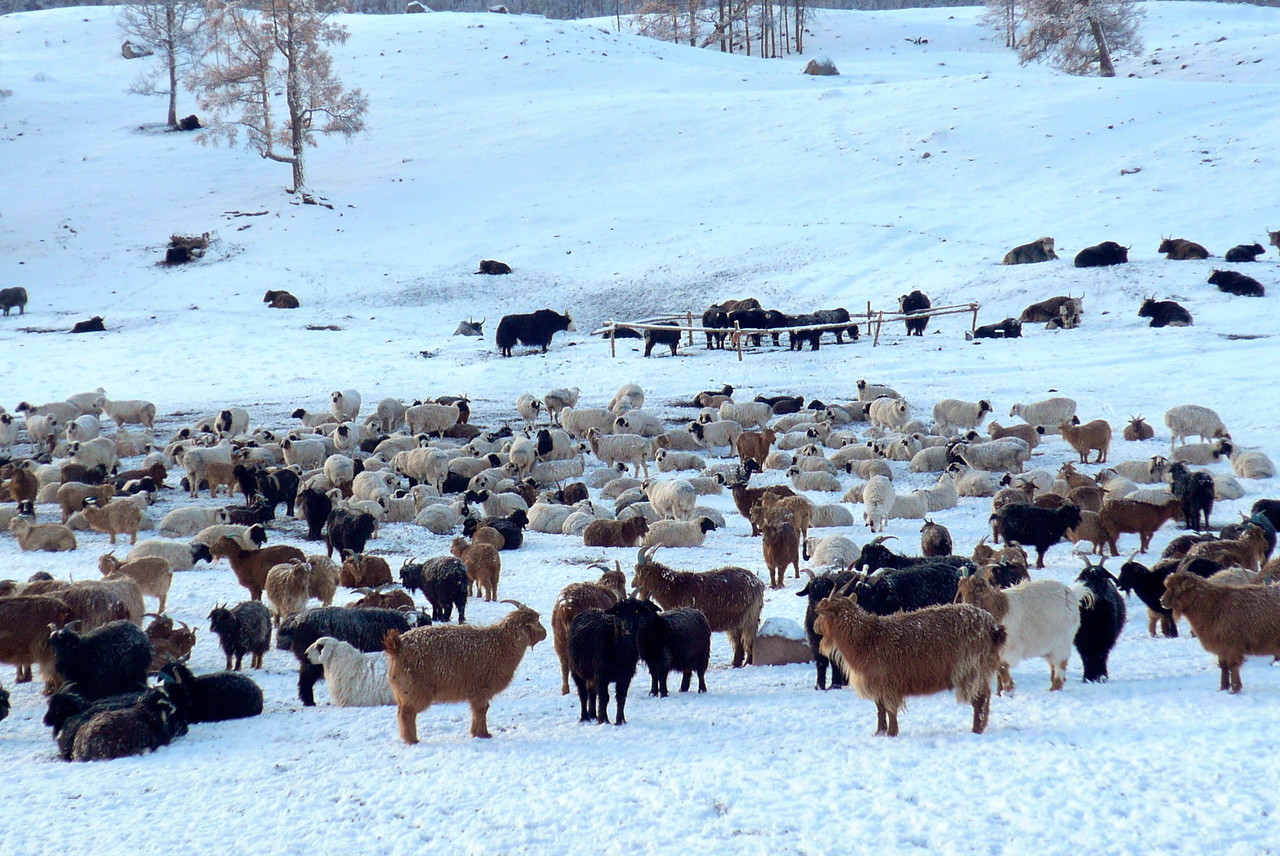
(622, 449)
(888, 413)
(462, 663)
(1050, 412)
(433, 419)
(1102, 618)
(890, 658)
(1009, 454)
(24, 633)
(232, 422)
(558, 399)
(676, 461)
(730, 597)
(187, 521)
(354, 678)
(831, 551)
(1202, 453)
(676, 533)
(180, 556)
(713, 435)
(153, 575)
(196, 461)
(443, 580)
(1037, 527)
(361, 571)
(1150, 471)
(1191, 420)
(345, 405)
(953, 413)
(576, 421)
(1040, 618)
(1095, 435)
(878, 498)
(816, 481)
(73, 496)
(49, 537)
(150, 722)
(510, 528)
(603, 649)
(529, 407)
(242, 629)
(120, 516)
(1232, 622)
(110, 659)
(362, 628)
(484, 566)
(252, 566)
(748, 414)
(628, 397)
(1252, 465)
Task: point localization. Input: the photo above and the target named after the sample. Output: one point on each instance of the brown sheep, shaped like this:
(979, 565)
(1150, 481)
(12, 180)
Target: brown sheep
(731, 598)
(24, 634)
(73, 496)
(890, 658)
(781, 546)
(1095, 435)
(152, 574)
(276, 299)
(573, 600)
(252, 566)
(484, 566)
(754, 446)
(458, 662)
(1130, 515)
(118, 517)
(49, 537)
(615, 533)
(363, 571)
(1231, 621)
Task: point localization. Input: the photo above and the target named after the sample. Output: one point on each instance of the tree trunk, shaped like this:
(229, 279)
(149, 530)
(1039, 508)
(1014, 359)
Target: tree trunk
(171, 56)
(1104, 53)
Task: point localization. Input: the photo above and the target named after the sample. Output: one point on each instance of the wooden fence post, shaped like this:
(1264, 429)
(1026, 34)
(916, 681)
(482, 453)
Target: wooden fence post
(613, 345)
(737, 338)
(689, 318)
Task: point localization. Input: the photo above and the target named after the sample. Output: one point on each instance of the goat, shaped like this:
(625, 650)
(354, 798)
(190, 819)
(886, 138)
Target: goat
(1230, 621)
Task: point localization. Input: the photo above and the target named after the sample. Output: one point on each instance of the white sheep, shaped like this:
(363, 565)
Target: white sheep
(677, 533)
(501, 504)
(558, 399)
(529, 407)
(1049, 413)
(1225, 487)
(951, 414)
(189, 520)
(305, 453)
(909, 506)
(813, 464)
(972, 482)
(180, 555)
(195, 461)
(370, 485)
(389, 415)
(1151, 495)
(397, 508)
(640, 422)
(826, 515)
(877, 501)
(670, 461)
(549, 517)
(578, 421)
(722, 433)
(422, 466)
(777, 459)
(340, 471)
(868, 392)
(554, 444)
(621, 449)
(83, 428)
(628, 397)
(432, 418)
(1191, 420)
(932, 459)
(440, 519)
(576, 523)
(1200, 454)
(552, 472)
(830, 551)
(890, 413)
(347, 438)
(353, 678)
(134, 411)
(1007, 454)
(820, 481)
(88, 403)
(345, 405)
(43, 430)
(1150, 471)
(1249, 465)
(748, 414)
(674, 499)
(231, 422)
(8, 431)
(314, 420)
(943, 494)
(522, 454)
(98, 452)
(871, 468)
(242, 535)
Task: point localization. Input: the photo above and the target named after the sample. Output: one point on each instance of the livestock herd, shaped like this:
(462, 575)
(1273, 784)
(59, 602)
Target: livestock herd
(895, 625)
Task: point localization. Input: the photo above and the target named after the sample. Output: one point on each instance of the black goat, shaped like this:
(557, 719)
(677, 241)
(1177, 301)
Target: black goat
(510, 527)
(108, 660)
(930, 583)
(364, 628)
(443, 580)
(1148, 585)
(1036, 527)
(211, 698)
(875, 556)
(348, 530)
(260, 512)
(677, 640)
(1164, 313)
(603, 650)
(1196, 490)
(818, 589)
(149, 723)
(1102, 619)
(4, 703)
(1258, 519)
(316, 508)
(243, 629)
(67, 710)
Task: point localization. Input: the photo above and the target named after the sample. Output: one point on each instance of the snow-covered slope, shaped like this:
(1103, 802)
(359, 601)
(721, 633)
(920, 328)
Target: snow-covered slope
(620, 177)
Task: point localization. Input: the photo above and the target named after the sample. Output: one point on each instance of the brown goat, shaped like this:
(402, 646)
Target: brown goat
(118, 517)
(935, 540)
(323, 582)
(396, 598)
(1087, 498)
(573, 600)
(1232, 622)
(1091, 530)
(615, 533)
(219, 474)
(890, 658)
(24, 634)
(754, 446)
(363, 571)
(796, 510)
(484, 566)
(781, 546)
(1138, 430)
(1143, 518)
(73, 496)
(488, 535)
(747, 498)
(152, 574)
(168, 643)
(457, 662)
(23, 486)
(1095, 435)
(1248, 551)
(252, 566)
(731, 598)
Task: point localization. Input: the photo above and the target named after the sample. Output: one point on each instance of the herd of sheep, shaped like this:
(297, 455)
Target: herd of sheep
(625, 481)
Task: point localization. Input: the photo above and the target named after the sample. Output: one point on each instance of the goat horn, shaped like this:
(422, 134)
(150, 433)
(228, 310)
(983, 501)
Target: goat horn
(151, 615)
(810, 573)
(517, 604)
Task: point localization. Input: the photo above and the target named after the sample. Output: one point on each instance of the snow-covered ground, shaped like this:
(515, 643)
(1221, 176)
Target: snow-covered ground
(621, 177)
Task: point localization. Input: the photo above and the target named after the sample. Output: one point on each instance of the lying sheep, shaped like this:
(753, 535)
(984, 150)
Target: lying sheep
(49, 537)
(1202, 453)
(677, 533)
(1252, 464)
(179, 555)
(831, 551)
(628, 397)
(190, 520)
(1005, 455)
(354, 678)
(458, 663)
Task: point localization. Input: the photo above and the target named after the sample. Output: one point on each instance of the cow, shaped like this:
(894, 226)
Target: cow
(1102, 255)
(533, 328)
(11, 297)
(93, 325)
(470, 328)
(1245, 253)
(494, 268)
(670, 338)
(1237, 283)
(917, 301)
(1029, 254)
(1164, 313)
(1006, 329)
(1182, 250)
(280, 300)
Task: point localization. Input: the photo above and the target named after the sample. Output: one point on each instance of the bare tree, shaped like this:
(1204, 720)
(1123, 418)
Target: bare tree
(257, 58)
(1078, 35)
(172, 30)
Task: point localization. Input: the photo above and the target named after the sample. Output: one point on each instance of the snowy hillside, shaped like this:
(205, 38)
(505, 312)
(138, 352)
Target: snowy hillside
(622, 177)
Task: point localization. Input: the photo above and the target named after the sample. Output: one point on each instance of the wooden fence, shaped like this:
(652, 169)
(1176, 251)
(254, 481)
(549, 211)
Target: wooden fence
(874, 321)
